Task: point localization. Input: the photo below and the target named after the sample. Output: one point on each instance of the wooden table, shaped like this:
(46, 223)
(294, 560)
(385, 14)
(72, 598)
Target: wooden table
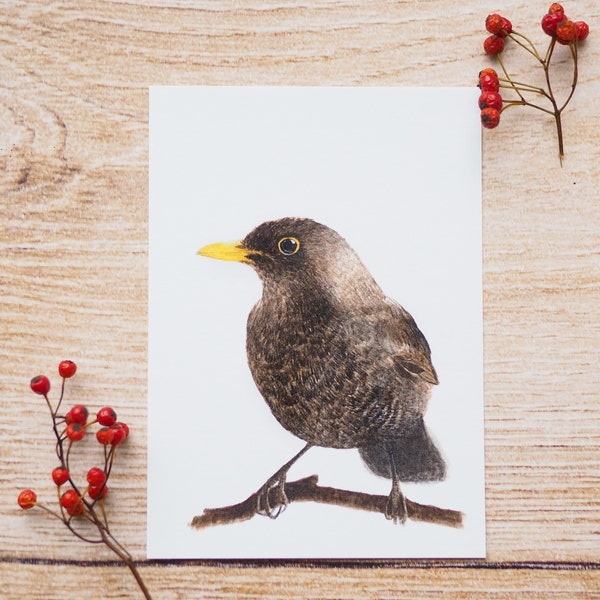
(73, 275)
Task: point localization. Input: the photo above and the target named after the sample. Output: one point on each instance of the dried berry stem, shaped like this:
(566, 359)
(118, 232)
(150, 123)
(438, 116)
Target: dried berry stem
(81, 503)
(107, 539)
(111, 543)
(561, 30)
(557, 113)
(529, 46)
(519, 88)
(573, 49)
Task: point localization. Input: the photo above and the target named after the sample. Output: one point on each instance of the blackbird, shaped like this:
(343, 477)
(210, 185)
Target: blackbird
(339, 364)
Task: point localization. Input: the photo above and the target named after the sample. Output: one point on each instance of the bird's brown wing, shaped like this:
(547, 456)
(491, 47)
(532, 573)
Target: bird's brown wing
(403, 340)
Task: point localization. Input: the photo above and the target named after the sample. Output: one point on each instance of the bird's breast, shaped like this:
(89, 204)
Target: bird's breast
(322, 381)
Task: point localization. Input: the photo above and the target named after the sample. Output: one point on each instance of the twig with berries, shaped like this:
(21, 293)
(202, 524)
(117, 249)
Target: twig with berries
(82, 505)
(562, 31)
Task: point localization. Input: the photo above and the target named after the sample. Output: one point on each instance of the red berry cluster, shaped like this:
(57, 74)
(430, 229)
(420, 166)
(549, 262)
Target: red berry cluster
(82, 500)
(490, 100)
(69, 429)
(562, 31)
(557, 25)
(499, 27)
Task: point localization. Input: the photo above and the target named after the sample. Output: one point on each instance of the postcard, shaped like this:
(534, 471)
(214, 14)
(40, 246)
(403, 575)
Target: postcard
(315, 348)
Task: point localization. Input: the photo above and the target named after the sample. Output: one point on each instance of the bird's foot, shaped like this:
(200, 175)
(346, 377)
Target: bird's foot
(271, 499)
(395, 509)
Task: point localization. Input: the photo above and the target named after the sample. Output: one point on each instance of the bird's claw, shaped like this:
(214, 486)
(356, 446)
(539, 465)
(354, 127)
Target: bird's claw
(263, 498)
(274, 489)
(395, 509)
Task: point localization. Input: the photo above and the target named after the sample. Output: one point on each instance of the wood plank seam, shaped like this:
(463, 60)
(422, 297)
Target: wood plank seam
(330, 564)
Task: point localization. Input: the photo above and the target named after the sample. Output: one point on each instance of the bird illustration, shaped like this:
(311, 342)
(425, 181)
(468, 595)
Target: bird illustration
(339, 364)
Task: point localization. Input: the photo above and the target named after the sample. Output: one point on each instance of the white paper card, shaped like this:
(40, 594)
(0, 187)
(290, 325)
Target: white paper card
(397, 173)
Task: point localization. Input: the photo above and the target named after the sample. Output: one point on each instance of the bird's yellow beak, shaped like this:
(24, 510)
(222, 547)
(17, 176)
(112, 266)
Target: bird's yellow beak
(231, 251)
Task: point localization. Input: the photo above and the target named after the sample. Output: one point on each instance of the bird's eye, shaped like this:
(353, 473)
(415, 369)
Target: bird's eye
(288, 245)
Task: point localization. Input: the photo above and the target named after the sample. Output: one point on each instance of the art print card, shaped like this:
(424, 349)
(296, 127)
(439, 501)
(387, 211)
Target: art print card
(351, 217)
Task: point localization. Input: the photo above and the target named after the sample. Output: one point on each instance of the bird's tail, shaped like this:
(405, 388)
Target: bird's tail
(416, 457)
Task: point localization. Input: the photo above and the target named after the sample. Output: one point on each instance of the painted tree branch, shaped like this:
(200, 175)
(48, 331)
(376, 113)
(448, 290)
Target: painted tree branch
(307, 489)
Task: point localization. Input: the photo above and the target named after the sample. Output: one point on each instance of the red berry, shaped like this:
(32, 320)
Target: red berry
(72, 503)
(488, 71)
(498, 25)
(493, 45)
(119, 434)
(105, 435)
(75, 431)
(490, 100)
(583, 30)
(490, 117)
(550, 21)
(488, 80)
(97, 492)
(493, 23)
(27, 499)
(506, 27)
(106, 416)
(556, 9)
(40, 384)
(67, 368)
(96, 477)
(125, 427)
(78, 414)
(60, 475)
(566, 32)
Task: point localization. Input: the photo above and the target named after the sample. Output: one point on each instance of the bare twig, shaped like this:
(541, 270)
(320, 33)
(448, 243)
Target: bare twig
(308, 490)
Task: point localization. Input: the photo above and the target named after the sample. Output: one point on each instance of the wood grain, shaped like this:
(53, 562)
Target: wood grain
(191, 581)
(74, 80)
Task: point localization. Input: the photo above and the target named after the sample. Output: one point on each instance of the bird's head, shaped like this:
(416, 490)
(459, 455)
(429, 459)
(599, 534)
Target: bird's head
(299, 254)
